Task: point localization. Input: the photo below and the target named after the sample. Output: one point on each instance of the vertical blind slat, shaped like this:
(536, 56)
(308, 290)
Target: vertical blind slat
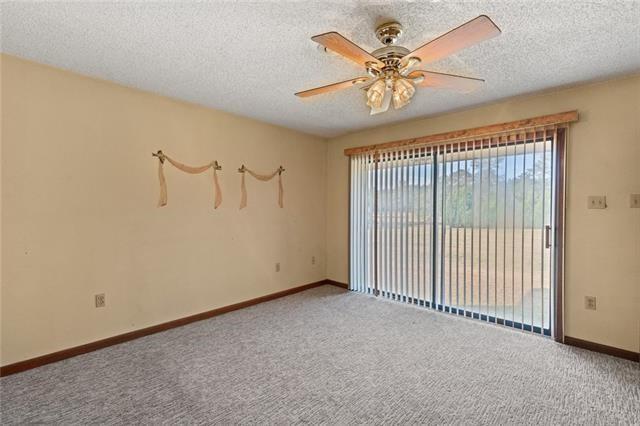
(533, 210)
(473, 227)
(397, 217)
(402, 213)
(513, 240)
(443, 198)
(410, 220)
(352, 215)
(464, 238)
(504, 244)
(355, 217)
(369, 244)
(481, 234)
(488, 232)
(495, 238)
(450, 232)
(361, 232)
(543, 222)
(358, 257)
(523, 197)
(457, 223)
(358, 228)
(387, 223)
(419, 187)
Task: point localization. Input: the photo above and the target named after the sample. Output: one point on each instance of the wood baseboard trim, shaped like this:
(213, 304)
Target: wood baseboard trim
(337, 284)
(121, 338)
(604, 349)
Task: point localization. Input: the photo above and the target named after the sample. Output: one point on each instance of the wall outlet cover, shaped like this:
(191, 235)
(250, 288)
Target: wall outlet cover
(100, 300)
(590, 303)
(596, 202)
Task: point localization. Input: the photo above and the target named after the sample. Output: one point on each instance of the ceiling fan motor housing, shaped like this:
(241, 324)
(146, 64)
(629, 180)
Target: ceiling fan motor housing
(391, 54)
(389, 33)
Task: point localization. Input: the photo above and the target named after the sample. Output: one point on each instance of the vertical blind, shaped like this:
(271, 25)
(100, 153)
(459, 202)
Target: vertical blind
(464, 227)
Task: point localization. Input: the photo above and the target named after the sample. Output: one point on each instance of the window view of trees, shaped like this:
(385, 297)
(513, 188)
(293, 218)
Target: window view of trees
(477, 189)
(485, 253)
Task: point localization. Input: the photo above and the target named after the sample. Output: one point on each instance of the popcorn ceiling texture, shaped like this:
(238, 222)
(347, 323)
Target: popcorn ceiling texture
(249, 58)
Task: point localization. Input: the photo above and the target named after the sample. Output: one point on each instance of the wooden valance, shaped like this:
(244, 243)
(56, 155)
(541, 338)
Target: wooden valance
(492, 129)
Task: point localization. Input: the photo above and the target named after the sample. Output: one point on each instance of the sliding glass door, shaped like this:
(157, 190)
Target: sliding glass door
(465, 227)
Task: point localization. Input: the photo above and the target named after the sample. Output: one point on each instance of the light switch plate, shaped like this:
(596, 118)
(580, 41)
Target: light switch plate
(634, 201)
(596, 202)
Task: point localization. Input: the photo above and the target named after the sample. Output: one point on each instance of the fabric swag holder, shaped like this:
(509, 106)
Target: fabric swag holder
(264, 178)
(187, 169)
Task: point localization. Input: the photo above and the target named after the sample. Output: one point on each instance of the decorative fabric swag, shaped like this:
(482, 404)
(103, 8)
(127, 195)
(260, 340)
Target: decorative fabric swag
(187, 169)
(264, 178)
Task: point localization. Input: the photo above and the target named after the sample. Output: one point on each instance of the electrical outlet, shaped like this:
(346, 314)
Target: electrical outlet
(278, 267)
(313, 260)
(100, 300)
(634, 201)
(590, 303)
(596, 202)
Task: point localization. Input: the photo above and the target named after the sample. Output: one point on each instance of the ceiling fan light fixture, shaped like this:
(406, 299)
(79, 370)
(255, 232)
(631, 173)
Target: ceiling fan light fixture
(403, 91)
(372, 69)
(411, 62)
(386, 101)
(375, 94)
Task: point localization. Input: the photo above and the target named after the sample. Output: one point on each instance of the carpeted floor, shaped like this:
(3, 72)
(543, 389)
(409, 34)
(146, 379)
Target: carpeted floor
(333, 357)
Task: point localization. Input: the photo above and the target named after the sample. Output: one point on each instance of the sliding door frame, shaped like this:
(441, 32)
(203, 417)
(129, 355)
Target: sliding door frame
(558, 212)
(560, 182)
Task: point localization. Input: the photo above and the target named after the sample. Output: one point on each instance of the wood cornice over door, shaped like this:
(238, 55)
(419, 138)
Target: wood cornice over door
(492, 129)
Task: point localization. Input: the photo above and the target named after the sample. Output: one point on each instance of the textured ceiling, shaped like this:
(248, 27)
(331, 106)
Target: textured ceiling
(249, 58)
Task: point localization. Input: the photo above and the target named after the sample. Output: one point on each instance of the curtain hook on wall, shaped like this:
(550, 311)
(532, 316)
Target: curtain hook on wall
(160, 155)
(242, 169)
(217, 166)
(280, 170)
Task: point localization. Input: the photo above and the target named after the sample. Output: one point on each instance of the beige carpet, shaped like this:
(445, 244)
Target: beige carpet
(331, 357)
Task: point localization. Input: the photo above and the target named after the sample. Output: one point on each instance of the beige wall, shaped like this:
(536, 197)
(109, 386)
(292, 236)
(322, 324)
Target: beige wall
(79, 216)
(602, 246)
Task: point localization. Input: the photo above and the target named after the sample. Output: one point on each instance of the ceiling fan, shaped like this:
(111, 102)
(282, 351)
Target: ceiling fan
(391, 69)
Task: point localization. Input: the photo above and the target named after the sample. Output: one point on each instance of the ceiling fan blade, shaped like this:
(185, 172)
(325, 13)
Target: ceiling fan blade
(332, 87)
(345, 47)
(472, 32)
(446, 81)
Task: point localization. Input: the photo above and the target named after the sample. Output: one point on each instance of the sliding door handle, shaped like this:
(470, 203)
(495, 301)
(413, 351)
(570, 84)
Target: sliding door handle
(547, 236)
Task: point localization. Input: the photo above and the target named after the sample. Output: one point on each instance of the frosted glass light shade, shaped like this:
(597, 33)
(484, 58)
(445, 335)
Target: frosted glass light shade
(403, 91)
(375, 94)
